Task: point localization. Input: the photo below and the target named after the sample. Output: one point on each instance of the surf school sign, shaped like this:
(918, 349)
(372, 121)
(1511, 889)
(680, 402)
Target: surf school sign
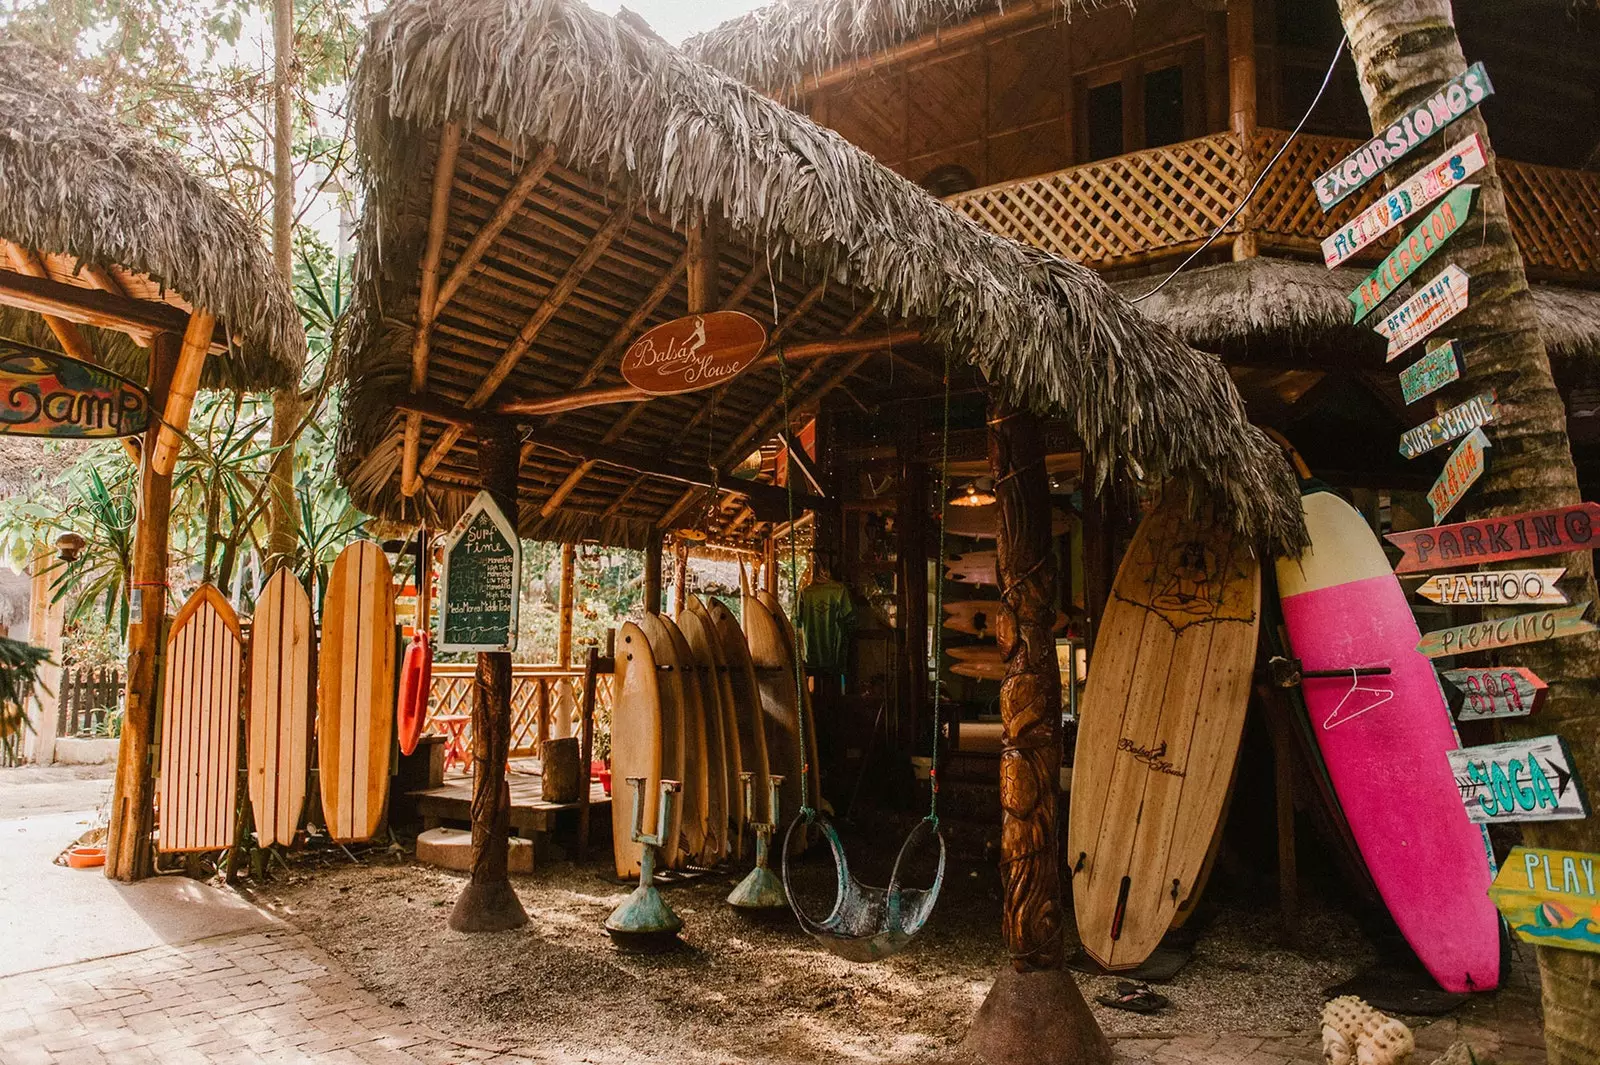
(45, 393)
(694, 352)
(1441, 300)
(1453, 424)
(1525, 780)
(1416, 248)
(1458, 96)
(1416, 192)
(1536, 532)
(1550, 898)
(1535, 627)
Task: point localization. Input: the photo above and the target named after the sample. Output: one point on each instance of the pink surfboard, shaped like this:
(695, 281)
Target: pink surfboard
(1384, 740)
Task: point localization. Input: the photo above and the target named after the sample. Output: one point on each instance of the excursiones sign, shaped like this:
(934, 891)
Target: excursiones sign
(1412, 195)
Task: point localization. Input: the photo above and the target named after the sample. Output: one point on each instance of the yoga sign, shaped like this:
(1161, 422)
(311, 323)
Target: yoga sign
(694, 352)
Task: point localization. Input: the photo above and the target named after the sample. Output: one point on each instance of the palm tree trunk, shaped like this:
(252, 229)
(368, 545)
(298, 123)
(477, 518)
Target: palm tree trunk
(287, 406)
(1404, 50)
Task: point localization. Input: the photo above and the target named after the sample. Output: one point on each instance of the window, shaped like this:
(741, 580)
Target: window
(1163, 107)
(1105, 120)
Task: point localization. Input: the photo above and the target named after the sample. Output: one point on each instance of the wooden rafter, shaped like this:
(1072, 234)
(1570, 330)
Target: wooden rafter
(73, 342)
(565, 488)
(86, 306)
(518, 194)
(427, 300)
(180, 398)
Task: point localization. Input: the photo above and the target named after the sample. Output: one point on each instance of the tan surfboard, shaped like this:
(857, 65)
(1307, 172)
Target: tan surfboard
(355, 692)
(982, 661)
(746, 703)
(722, 737)
(770, 601)
(636, 743)
(200, 726)
(678, 744)
(1159, 729)
(973, 567)
(279, 738)
(978, 617)
(983, 523)
(702, 752)
(780, 702)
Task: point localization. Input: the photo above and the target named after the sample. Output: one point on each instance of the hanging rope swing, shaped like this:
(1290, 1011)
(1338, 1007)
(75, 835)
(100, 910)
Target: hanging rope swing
(867, 923)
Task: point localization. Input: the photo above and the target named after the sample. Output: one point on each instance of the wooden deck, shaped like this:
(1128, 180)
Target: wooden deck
(530, 814)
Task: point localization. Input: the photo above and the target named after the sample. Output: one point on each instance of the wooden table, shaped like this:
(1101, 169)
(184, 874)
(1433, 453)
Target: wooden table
(455, 740)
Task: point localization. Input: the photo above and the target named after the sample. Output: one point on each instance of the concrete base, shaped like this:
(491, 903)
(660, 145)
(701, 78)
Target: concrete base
(451, 848)
(77, 751)
(1040, 1018)
(492, 907)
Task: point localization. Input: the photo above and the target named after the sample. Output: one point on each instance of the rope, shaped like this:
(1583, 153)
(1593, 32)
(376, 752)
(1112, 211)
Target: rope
(938, 601)
(806, 810)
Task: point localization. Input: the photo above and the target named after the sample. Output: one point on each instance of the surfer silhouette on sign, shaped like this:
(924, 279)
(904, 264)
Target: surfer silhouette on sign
(697, 339)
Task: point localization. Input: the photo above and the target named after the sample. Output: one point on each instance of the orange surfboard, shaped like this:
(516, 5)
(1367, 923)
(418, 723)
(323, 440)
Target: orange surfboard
(200, 726)
(747, 704)
(636, 744)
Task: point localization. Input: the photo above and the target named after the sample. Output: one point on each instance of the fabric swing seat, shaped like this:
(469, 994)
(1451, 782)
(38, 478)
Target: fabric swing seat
(868, 923)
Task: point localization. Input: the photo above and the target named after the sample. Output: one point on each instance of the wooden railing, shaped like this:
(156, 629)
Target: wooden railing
(88, 697)
(545, 701)
(1164, 202)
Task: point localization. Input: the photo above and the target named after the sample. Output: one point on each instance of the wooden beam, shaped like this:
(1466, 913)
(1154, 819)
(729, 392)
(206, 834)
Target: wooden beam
(652, 576)
(103, 279)
(531, 175)
(86, 306)
(565, 488)
(444, 171)
(185, 382)
(704, 270)
(564, 606)
(72, 341)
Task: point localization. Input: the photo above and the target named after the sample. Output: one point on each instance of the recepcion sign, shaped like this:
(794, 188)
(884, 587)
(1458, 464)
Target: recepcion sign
(1416, 248)
(45, 393)
(480, 581)
(1524, 780)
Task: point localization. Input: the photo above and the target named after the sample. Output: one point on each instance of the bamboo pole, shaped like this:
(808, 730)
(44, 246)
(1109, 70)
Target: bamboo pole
(444, 169)
(569, 599)
(180, 397)
(1242, 102)
(652, 576)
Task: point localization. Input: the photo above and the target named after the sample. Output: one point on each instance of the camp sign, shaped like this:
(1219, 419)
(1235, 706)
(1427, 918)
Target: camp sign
(1524, 780)
(1457, 96)
(1439, 301)
(1535, 532)
(44, 393)
(1496, 692)
(1512, 587)
(1416, 248)
(1550, 898)
(1439, 367)
(694, 352)
(480, 581)
(1535, 627)
(1457, 164)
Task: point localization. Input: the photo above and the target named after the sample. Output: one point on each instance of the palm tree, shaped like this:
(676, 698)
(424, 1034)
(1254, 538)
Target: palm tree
(1404, 51)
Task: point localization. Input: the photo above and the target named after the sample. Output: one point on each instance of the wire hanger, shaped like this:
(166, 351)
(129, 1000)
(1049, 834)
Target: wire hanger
(1337, 718)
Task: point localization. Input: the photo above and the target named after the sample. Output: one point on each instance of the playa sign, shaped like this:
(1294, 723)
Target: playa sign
(1551, 898)
(1453, 424)
(1461, 471)
(1488, 635)
(1416, 248)
(1524, 780)
(1440, 366)
(1412, 195)
(1512, 587)
(694, 352)
(1455, 98)
(1501, 691)
(1439, 301)
(1535, 532)
(45, 393)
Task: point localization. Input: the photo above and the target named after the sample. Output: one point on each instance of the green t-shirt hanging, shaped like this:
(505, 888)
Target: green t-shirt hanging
(827, 621)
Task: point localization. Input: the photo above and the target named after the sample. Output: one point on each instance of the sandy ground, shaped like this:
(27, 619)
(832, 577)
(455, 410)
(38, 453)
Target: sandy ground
(740, 989)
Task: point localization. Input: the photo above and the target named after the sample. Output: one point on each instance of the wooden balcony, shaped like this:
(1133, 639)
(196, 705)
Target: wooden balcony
(1164, 202)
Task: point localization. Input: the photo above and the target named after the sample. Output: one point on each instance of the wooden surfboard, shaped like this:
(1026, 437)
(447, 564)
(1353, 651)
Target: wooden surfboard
(279, 738)
(982, 661)
(1159, 729)
(636, 744)
(746, 704)
(973, 567)
(978, 617)
(1384, 741)
(355, 692)
(694, 621)
(770, 601)
(703, 744)
(200, 726)
(681, 744)
(780, 703)
(983, 523)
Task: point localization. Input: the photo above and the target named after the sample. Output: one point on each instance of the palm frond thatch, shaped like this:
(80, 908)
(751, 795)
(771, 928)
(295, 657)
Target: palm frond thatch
(78, 182)
(693, 143)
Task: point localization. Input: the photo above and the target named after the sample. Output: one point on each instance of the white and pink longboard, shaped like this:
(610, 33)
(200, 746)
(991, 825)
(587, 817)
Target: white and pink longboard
(1384, 740)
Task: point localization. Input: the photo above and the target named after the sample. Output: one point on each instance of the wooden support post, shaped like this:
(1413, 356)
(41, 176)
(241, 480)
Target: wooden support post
(591, 678)
(680, 575)
(652, 576)
(488, 903)
(180, 394)
(47, 615)
(1283, 780)
(769, 565)
(1242, 105)
(1034, 1011)
(1098, 540)
(128, 853)
(564, 607)
(911, 553)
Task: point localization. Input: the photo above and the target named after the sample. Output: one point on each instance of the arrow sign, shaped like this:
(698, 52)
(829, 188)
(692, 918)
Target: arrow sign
(1525, 780)
(1454, 423)
(1439, 301)
(1550, 897)
(1461, 471)
(1416, 248)
(1511, 587)
(1457, 164)
(1504, 691)
(1440, 366)
(1526, 535)
(1487, 635)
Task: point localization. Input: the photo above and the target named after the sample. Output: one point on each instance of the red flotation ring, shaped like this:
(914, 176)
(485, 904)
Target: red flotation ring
(416, 675)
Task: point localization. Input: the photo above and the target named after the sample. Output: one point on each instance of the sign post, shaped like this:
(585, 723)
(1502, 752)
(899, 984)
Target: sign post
(1550, 898)
(1502, 691)
(1536, 532)
(1511, 587)
(1416, 192)
(45, 393)
(1454, 423)
(1524, 780)
(1439, 301)
(480, 581)
(1416, 248)
(1535, 627)
(694, 352)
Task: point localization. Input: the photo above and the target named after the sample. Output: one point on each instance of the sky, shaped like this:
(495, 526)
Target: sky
(677, 19)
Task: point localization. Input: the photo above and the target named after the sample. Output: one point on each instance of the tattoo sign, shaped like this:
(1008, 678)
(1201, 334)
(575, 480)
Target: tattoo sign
(1501, 691)
(1416, 248)
(1451, 425)
(1512, 587)
(1536, 627)
(1412, 195)
(1524, 780)
(1535, 532)
(1461, 471)
(1439, 301)
(1550, 898)
(1440, 366)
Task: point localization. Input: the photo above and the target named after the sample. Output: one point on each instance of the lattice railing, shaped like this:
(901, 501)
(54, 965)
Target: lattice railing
(546, 701)
(1165, 201)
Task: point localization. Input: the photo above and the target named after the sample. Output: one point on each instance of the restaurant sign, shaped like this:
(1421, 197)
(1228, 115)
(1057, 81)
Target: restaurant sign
(1550, 898)
(1439, 301)
(1455, 98)
(45, 393)
(694, 352)
(1512, 587)
(1535, 627)
(1501, 691)
(1461, 471)
(1525, 535)
(1440, 366)
(1416, 248)
(1524, 780)
(1453, 424)
(1404, 200)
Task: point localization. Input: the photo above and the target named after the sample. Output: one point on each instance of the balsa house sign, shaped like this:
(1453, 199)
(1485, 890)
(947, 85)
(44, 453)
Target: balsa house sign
(694, 352)
(45, 393)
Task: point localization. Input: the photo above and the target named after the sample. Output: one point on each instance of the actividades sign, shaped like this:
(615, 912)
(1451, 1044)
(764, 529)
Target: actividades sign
(694, 352)
(1400, 203)
(45, 393)
(1458, 96)
(1416, 247)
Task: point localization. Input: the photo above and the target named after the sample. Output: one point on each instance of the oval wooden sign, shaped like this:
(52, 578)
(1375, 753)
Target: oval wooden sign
(694, 352)
(45, 393)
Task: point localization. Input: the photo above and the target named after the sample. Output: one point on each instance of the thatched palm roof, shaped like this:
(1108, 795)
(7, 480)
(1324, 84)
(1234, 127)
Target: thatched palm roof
(98, 201)
(633, 122)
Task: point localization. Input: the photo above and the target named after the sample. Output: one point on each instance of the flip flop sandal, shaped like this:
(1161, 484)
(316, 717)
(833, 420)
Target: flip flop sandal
(1135, 998)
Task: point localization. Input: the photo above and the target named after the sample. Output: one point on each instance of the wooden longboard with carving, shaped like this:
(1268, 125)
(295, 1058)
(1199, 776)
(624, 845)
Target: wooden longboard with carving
(746, 703)
(636, 743)
(682, 742)
(697, 627)
(279, 740)
(770, 601)
(1159, 730)
(355, 692)
(200, 726)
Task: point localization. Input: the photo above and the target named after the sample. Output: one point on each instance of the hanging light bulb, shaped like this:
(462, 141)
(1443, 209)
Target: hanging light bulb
(978, 492)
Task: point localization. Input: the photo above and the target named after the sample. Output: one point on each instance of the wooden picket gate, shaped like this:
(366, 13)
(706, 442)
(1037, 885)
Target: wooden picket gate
(89, 695)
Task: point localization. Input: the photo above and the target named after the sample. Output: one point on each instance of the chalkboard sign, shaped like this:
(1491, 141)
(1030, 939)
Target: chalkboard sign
(482, 576)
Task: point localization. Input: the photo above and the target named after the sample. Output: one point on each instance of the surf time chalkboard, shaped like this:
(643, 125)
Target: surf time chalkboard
(480, 581)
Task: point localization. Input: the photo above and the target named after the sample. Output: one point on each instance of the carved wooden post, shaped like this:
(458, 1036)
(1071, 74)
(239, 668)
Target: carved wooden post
(1034, 1011)
(652, 575)
(1242, 105)
(488, 903)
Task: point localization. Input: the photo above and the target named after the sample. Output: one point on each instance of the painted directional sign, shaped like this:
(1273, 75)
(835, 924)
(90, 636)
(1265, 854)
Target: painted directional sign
(1512, 587)
(1524, 780)
(480, 581)
(1416, 248)
(1440, 366)
(1460, 162)
(1535, 627)
(1526, 535)
(1551, 898)
(1501, 691)
(1461, 471)
(1455, 98)
(694, 352)
(1439, 301)
(1451, 425)
(45, 393)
